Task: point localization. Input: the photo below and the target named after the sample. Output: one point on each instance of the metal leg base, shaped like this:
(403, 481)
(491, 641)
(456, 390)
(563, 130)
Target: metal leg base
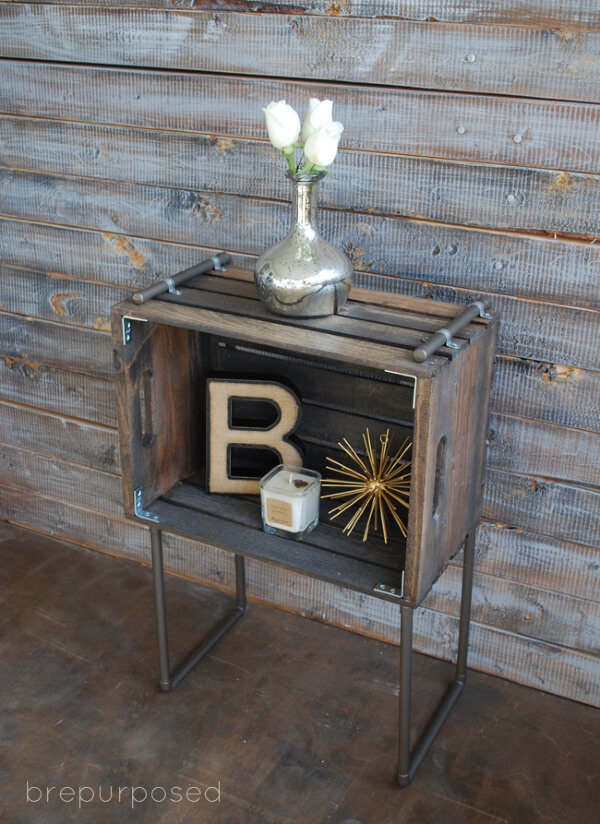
(408, 763)
(169, 680)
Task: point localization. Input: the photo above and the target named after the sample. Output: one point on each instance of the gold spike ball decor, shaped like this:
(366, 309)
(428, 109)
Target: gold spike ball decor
(375, 485)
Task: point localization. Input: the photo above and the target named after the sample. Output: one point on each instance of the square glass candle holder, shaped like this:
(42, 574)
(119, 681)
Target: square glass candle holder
(289, 501)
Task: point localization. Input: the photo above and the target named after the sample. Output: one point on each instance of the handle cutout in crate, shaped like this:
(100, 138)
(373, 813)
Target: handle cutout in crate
(440, 466)
(146, 396)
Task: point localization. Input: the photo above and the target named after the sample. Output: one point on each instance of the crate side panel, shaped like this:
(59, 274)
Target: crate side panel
(448, 481)
(161, 417)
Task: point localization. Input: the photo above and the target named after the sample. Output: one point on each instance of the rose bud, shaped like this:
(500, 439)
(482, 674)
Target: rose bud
(283, 124)
(319, 114)
(321, 147)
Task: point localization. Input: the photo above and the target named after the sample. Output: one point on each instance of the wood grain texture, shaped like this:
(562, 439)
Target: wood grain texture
(513, 555)
(499, 197)
(558, 135)
(304, 340)
(572, 13)
(542, 562)
(529, 329)
(451, 416)
(544, 392)
(546, 507)
(545, 450)
(125, 213)
(38, 474)
(525, 610)
(33, 341)
(71, 394)
(515, 500)
(548, 392)
(161, 407)
(539, 664)
(74, 441)
(62, 300)
(561, 65)
(537, 391)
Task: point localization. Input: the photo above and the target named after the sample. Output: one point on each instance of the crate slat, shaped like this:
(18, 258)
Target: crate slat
(339, 324)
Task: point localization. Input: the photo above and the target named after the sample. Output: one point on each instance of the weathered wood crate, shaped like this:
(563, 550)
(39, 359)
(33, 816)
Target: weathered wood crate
(352, 371)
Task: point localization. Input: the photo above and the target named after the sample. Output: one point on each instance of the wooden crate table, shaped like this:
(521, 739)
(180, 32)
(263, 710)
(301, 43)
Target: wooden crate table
(352, 370)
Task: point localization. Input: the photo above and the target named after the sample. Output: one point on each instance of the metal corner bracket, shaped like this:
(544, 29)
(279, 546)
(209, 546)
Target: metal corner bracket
(139, 510)
(126, 324)
(410, 377)
(389, 590)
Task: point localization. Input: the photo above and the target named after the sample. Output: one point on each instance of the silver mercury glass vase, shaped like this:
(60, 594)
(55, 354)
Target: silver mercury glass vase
(303, 275)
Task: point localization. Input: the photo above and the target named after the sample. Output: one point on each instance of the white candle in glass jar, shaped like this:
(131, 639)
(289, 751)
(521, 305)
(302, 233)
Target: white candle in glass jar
(289, 497)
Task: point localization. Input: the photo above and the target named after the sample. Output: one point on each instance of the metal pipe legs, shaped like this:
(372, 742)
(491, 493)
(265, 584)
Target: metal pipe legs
(406, 642)
(409, 764)
(465, 607)
(167, 680)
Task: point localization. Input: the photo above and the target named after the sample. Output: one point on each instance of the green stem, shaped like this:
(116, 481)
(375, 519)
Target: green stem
(288, 153)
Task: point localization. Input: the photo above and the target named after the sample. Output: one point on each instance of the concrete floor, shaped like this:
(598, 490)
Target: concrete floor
(295, 721)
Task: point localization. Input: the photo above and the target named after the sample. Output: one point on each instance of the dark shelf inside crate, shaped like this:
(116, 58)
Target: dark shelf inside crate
(234, 524)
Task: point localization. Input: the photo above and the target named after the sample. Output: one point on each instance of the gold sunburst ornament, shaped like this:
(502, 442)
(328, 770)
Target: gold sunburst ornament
(376, 484)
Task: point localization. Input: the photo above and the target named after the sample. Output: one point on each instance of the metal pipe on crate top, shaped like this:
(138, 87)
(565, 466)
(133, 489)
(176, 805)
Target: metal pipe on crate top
(166, 284)
(443, 337)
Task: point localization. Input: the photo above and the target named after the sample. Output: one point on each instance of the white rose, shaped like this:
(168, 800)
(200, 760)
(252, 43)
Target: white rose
(321, 147)
(283, 124)
(319, 114)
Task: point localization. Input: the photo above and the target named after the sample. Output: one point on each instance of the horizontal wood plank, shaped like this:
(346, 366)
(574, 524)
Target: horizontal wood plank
(546, 507)
(516, 445)
(33, 341)
(530, 329)
(448, 255)
(331, 348)
(538, 560)
(57, 437)
(62, 300)
(57, 390)
(548, 392)
(549, 616)
(559, 136)
(499, 197)
(36, 474)
(550, 667)
(572, 13)
(544, 450)
(494, 60)
(514, 555)
(536, 391)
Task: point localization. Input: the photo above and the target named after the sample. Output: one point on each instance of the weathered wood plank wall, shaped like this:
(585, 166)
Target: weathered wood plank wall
(132, 143)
